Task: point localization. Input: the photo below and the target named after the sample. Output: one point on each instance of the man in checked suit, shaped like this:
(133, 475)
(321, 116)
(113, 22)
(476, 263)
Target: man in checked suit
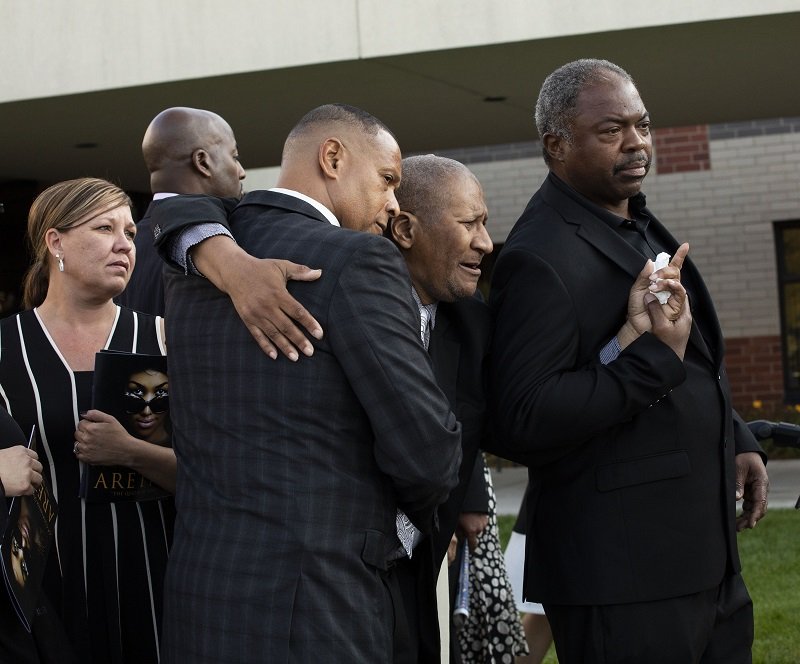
(441, 232)
(290, 475)
(622, 410)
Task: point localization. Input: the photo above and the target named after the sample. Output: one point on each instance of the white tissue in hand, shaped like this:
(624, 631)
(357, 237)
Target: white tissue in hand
(662, 260)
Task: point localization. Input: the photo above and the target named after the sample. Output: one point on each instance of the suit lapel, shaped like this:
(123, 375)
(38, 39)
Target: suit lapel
(147, 212)
(444, 352)
(276, 199)
(708, 337)
(593, 231)
(708, 340)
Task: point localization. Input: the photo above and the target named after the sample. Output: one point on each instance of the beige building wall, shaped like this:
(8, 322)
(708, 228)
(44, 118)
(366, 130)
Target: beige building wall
(51, 47)
(726, 214)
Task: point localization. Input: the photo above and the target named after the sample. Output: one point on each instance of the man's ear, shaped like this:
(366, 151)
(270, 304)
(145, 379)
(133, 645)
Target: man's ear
(555, 146)
(404, 229)
(331, 154)
(201, 162)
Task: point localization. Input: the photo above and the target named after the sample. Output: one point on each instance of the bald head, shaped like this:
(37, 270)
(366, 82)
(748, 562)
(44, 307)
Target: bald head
(346, 159)
(192, 151)
(426, 188)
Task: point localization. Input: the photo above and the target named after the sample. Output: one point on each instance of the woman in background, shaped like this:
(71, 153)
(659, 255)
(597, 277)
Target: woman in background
(534, 621)
(492, 633)
(106, 569)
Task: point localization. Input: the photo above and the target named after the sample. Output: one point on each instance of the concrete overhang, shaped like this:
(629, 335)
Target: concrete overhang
(700, 72)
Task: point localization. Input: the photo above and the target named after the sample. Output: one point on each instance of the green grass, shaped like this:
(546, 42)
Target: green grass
(505, 522)
(771, 568)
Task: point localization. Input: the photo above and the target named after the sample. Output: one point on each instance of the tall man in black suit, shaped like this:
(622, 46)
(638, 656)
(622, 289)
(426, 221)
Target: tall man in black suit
(636, 457)
(441, 232)
(290, 475)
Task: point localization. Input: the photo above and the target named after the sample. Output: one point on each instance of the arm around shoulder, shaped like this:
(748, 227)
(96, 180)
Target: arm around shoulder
(174, 214)
(257, 287)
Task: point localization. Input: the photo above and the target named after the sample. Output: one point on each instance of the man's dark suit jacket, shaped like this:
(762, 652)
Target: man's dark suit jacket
(632, 474)
(289, 474)
(145, 290)
(458, 348)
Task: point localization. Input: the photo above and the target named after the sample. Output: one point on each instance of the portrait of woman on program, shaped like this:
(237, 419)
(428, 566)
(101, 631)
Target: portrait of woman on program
(146, 405)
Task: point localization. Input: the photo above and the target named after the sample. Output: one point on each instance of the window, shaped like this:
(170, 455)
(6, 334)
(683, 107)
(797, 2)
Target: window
(787, 245)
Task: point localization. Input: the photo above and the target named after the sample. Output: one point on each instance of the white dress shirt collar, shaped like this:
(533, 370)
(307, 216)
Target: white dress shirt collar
(319, 206)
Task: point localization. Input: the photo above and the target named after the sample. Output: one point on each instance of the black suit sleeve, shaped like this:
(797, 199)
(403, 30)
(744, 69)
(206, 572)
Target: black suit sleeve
(476, 497)
(173, 215)
(546, 399)
(743, 438)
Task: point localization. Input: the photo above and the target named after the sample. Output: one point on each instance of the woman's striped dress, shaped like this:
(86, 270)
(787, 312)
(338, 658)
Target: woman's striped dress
(105, 575)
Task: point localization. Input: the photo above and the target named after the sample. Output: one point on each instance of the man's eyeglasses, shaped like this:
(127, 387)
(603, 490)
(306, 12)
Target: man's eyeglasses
(135, 404)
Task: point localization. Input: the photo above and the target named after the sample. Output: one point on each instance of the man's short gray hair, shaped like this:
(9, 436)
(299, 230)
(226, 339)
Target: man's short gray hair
(423, 188)
(555, 107)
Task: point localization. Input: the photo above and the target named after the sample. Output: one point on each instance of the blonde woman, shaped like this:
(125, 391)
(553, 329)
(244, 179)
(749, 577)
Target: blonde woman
(105, 572)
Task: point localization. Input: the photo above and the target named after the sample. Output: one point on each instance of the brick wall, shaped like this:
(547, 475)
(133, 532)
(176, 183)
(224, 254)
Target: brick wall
(740, 179)
(726, 214)
(681, 149)
(755, 371)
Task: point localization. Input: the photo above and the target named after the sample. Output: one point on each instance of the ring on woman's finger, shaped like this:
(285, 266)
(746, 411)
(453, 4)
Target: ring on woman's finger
(75, 448)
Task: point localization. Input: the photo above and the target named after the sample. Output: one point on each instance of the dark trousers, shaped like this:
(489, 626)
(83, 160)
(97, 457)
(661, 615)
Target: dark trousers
(710, 627)
(416, 630)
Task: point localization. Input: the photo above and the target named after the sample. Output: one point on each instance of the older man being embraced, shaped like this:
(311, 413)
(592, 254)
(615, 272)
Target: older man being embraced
(441, 233)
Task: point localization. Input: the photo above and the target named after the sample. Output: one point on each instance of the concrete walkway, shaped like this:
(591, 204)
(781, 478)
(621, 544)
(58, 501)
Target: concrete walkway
(784, 478)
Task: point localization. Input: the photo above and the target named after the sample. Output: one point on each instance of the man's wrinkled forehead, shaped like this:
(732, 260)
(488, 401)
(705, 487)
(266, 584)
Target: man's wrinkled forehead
(609, 97)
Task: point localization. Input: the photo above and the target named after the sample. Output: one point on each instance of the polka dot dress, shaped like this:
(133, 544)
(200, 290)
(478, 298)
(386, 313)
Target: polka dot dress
(493, 632)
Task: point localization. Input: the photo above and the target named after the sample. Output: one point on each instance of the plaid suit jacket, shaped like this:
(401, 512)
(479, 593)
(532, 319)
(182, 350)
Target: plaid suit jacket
(289, 474)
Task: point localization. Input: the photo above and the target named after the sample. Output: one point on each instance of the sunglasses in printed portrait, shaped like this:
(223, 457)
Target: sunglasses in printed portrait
(146, 405)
